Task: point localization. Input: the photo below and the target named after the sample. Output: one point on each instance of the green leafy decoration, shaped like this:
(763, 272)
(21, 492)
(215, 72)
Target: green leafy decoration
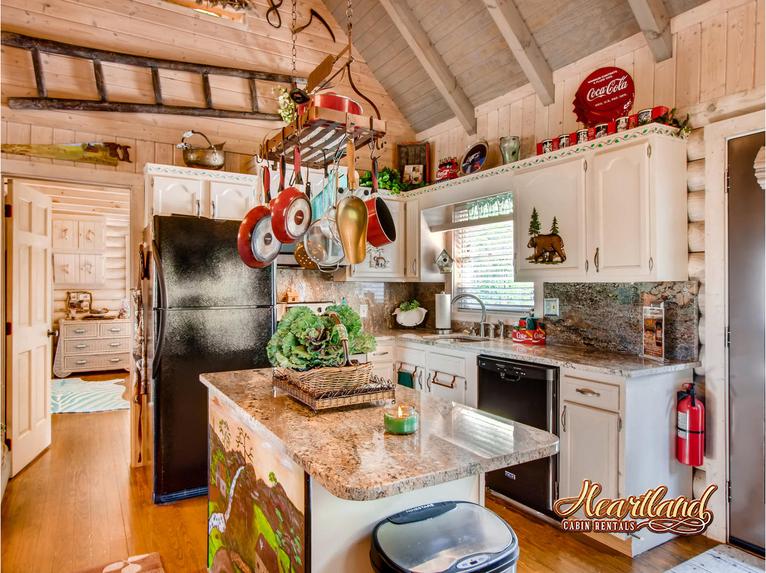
(409, 305)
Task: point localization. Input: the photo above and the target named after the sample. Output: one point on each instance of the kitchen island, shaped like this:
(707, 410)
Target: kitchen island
(294, 490)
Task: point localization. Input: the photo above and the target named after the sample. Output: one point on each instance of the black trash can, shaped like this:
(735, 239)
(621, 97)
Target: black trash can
(444, 537)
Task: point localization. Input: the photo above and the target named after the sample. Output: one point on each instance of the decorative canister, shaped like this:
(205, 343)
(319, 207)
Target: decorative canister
(622, 123)
(509, 148)
(645, 116)
(582, 135)
(563, 140)
(547, 145)
(601, 130)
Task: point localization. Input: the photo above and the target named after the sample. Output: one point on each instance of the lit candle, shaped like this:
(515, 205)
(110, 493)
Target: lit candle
(400, 419)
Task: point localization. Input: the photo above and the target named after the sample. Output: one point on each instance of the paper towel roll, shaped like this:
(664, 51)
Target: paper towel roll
(443, 311)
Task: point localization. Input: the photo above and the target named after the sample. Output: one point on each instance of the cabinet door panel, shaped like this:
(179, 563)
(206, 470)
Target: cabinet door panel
(230, 200)
(620, 213)
(177, 196)
(588, 448)
(446, 386)
(91, 268)
(540, 196)
(412, 237)
(65, 269)
(386, 262)
(64, 234)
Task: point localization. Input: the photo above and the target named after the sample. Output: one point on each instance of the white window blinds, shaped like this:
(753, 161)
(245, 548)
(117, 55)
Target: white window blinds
(483, 254)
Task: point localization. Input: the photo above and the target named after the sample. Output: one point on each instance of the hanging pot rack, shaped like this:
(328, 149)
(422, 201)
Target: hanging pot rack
(320, 131)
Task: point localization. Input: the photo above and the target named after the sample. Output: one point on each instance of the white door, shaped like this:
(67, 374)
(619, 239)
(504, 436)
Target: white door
(549, 222)
(29, 311)
(588, 448)
(386, 262)
(619, 212)
(173, 196)
(231, 200)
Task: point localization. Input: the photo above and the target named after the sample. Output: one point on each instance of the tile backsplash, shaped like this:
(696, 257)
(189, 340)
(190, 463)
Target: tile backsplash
(381, 298)
(607, 316)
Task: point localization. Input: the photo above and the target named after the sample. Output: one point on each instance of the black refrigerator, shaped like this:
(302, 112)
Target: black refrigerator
(204, 311)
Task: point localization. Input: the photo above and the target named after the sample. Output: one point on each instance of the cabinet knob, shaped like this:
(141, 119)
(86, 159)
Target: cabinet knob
(651, 263)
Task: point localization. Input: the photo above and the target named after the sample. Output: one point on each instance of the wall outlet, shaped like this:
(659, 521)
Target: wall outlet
(363, 311)
(551, 307)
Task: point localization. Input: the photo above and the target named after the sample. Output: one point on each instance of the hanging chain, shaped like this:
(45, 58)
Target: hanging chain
(293, 27)
(349, 18)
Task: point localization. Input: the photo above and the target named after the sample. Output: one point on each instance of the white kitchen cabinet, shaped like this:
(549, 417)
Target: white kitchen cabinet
(554, 192)
(422, 246)
(620, 211)
(384, 263)
(91, 235)
(620, 237)
(619, 433)
(172, 190)
(65, 268)
(382, 359)
(231, 200)
(177, 196)
(78, 270)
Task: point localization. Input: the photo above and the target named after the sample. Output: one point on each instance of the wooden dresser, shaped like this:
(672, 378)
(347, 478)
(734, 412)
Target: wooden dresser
(92, 345)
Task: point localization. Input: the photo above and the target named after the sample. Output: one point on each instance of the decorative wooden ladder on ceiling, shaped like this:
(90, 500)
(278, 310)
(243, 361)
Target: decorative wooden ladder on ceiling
(43, 102)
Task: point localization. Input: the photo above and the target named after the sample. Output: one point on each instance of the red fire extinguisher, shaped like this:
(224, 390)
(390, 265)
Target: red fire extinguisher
(690, 427)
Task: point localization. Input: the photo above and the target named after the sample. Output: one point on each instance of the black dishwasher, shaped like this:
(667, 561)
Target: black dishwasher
(526, 393)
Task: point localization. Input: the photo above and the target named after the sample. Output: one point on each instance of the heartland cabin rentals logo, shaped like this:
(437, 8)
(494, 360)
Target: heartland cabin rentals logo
(650, 510)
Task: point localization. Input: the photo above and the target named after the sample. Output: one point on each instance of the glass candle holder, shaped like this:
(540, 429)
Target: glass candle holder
(400, 419)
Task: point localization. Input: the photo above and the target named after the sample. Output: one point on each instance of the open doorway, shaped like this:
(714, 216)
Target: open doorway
(67, 280)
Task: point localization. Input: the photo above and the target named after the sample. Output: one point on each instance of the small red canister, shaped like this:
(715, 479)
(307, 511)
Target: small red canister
(645, 116)
(564, 140)
(582, 135)
(632, 120)
(622, 123)
(611, 127)
(547, 145)
(601, 130)
(658, 111)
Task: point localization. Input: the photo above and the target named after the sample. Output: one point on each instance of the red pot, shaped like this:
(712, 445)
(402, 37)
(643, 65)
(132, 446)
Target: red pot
(380, 224)
(290, 209)
(256, 243)
(331, 100)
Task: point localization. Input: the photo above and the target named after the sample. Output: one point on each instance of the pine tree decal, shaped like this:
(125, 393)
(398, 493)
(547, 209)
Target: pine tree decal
(534, 223)
(555, 226)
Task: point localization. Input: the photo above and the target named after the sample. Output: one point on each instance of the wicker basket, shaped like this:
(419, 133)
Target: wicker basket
(332, 381)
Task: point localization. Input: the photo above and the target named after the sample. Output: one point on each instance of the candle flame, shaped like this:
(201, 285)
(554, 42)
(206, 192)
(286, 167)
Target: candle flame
(399, 412)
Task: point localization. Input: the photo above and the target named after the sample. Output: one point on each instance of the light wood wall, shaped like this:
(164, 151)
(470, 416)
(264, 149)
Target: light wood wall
(160, 29)
(716, 72)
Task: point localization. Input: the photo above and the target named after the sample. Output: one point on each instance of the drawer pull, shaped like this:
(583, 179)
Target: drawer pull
(451, 385)
(113, 360)
(587, 392)
(564, 419)
(114, 344)
(81, 362)
(115, 329)
(79, 331)
(81, 346)
(380, 353)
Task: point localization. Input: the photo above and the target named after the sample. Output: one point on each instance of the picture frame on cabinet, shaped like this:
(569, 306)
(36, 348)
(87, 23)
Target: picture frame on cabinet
(653, 332)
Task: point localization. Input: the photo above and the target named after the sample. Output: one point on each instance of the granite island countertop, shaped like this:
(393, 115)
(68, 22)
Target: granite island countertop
(348, 452)
(575, 357)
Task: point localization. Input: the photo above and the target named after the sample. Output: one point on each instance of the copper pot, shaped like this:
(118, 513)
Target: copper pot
(211, 157)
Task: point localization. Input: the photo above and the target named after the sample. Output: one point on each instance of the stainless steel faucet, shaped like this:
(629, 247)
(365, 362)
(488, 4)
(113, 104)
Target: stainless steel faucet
(458, 297)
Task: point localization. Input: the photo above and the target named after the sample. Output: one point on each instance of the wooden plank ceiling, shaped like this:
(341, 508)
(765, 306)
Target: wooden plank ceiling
(469, 42)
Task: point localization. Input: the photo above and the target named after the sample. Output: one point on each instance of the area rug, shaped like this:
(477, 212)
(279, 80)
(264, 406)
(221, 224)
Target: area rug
(75, 395)
(147, 563)
(721, 559)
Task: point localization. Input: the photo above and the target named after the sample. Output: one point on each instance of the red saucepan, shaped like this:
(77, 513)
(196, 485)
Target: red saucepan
(331, 100)
(380, 224)
(290, 210)
(256, 243)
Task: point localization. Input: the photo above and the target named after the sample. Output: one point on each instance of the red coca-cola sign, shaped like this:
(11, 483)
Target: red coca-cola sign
(604, 95)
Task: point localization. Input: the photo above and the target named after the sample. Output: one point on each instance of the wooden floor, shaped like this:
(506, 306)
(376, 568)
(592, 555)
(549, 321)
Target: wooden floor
(79, 505)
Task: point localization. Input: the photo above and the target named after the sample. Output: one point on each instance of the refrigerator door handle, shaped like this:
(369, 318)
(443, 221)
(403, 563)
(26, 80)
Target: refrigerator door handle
(160, 310)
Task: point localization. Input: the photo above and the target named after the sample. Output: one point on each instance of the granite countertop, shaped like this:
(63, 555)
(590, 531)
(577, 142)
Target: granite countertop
(348, 452)
(575, 357)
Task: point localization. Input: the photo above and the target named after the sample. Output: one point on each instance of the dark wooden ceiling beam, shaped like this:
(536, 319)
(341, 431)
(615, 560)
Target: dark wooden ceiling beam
(654, 21)
(524, 47)
(433, 63)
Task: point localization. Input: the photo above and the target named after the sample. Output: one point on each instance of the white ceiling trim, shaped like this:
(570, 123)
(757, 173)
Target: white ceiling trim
(418, 41)
(653, 19)
(524, 47)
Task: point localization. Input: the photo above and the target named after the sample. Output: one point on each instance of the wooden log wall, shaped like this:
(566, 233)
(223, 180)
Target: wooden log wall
(716, 72)
(160, 29)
